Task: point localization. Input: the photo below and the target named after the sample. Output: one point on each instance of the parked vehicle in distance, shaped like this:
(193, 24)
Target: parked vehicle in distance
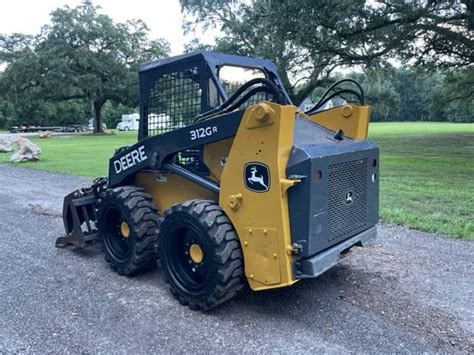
(129, 122)
(90, 125)
(158, 122)
(23, 127)
(29, 128)
(74, 128)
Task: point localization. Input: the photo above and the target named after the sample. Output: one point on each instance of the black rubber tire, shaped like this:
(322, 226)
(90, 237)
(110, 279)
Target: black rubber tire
(133, 205)
(223, 261)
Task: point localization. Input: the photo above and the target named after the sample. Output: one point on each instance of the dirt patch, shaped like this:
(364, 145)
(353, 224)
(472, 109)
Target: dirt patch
(44, 211)
(383, 295)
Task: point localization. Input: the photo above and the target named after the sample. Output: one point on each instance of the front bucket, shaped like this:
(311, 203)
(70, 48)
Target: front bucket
(79, 217)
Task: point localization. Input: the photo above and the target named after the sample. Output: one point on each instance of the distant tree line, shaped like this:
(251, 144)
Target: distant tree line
(58, 113)
(396, 94)
(83, 64)
(401, 94)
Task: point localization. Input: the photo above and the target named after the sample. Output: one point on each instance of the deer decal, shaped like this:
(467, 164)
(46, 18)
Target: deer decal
(256, 179)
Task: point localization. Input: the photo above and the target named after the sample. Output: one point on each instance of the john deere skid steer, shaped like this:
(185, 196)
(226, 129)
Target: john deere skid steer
(230, 183)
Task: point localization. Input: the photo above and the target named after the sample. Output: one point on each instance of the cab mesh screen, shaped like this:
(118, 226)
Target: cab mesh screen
(173, 102)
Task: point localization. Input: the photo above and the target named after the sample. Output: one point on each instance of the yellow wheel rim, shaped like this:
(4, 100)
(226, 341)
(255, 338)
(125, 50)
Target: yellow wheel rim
(196, 254)
(124, 229)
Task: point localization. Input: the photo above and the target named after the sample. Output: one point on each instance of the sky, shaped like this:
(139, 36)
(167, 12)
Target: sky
(163, 17)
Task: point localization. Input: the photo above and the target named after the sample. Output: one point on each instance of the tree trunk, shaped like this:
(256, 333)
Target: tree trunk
(97, 113)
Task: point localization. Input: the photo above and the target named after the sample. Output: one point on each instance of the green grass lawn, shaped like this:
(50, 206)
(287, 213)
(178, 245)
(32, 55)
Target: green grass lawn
(426, 177)
(82, 155)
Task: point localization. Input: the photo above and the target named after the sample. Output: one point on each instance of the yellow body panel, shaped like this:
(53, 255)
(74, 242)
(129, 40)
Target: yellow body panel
(351, 119)
(261, 250)
(215, 156)
(168, 189)
(261, 220)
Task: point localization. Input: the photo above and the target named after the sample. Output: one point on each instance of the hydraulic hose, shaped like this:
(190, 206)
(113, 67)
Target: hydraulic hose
(321, 103)
(274, 90)
(247, 96)
(267, 87)
(323, 98)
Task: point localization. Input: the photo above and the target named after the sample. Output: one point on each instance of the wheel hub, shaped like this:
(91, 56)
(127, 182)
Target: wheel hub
(196, 253)
(124, 229)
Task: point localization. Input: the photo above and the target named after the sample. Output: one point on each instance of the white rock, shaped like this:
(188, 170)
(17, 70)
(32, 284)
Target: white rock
(46, 134)
(6, 144)
(26, 151)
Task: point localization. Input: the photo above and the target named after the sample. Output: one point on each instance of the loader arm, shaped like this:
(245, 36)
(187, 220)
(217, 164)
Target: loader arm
(152, 152)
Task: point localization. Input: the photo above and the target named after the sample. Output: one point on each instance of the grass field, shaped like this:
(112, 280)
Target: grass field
(82, 155)
(427, 176)
(427, 171)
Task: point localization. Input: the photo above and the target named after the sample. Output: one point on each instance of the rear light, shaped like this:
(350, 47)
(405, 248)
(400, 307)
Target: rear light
(318, 175)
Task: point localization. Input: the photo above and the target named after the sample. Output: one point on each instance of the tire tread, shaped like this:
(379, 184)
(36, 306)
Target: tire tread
(229, 258)
(144, 221)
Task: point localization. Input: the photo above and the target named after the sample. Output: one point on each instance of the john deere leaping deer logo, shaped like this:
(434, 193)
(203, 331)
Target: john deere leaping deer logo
(349, 197)
(254, 179)
(257, 177)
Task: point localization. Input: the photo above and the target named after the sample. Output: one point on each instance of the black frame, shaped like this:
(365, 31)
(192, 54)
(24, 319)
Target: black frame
(160, 149)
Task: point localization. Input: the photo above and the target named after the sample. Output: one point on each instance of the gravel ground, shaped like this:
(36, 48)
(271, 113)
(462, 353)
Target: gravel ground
(408, 292)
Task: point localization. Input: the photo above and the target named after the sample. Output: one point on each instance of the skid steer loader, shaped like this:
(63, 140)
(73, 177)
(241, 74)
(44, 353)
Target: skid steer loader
(229, 183)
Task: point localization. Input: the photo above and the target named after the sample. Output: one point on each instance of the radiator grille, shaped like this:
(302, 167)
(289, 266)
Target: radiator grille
(347, 180)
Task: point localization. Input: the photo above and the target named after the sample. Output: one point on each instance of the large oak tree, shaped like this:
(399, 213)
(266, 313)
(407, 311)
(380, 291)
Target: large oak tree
(309, 39)
(81, 54)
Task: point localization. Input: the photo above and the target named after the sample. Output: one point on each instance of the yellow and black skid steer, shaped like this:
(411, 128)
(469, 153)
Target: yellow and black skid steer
(230, 183)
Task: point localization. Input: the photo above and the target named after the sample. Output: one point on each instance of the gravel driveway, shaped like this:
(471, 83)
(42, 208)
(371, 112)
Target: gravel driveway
(408, 292)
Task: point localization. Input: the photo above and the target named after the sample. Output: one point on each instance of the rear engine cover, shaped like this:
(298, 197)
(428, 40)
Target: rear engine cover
(339, 194)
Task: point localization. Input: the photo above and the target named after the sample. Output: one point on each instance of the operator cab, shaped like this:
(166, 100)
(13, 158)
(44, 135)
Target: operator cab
(175, 90)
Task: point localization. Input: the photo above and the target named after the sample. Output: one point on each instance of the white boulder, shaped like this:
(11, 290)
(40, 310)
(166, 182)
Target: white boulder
(6, 144)
(46, 134)
(26, 150)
